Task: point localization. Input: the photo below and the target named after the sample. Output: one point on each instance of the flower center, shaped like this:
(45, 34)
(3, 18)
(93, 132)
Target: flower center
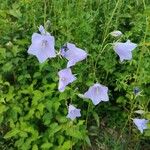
(44, 43)
(63, 79)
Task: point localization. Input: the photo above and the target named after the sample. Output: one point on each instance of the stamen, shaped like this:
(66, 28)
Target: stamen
(44, 43)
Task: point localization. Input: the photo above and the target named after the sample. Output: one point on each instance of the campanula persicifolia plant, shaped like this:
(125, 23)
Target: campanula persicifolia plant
(80, 80)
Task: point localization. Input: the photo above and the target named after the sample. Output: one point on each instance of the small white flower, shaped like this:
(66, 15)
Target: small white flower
(139, 111)
(116, 33)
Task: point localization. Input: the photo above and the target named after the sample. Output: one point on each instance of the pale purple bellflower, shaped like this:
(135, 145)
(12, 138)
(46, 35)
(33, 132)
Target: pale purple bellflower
(73, 54)
(141, 124)
(73, 112)
(65, 77)
(124, 50)
(42, 45)
(97, 93)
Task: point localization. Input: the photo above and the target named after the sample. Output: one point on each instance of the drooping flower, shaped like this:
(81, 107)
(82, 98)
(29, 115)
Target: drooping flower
(73, 112)
(136, 90)
(65, 77)
(116, 33)
(141, 124)
(97, 93)
(42, 45)
(124, 50)
(73, 54)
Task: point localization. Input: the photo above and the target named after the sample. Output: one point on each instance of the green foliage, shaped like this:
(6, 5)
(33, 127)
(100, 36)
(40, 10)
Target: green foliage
(33, 112)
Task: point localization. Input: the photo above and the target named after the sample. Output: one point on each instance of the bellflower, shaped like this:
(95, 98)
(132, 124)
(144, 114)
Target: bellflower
(73, 54)
(97, 93)
(141, 124)
(116, 33)
(136, 90)
(73, 112)
(42, 45)
(65, 77)
(124, 50)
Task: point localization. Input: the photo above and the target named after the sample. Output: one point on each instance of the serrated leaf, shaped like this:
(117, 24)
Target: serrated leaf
(11, 133)
(35, 147)
(46, 146)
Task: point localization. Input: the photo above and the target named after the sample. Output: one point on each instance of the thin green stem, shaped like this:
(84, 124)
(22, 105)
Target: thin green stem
(87, 114)
(96, 62)
(142, 49)
(133, 105)
(108, 24)
(45, 9)
(106, 35)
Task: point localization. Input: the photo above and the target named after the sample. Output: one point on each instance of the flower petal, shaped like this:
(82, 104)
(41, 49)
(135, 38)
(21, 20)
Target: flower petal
(36, 44)
(50, 50)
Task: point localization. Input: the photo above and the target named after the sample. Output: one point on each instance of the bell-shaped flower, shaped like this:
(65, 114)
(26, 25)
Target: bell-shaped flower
(116, 33)
(141, 124)
(97, 93)
(124, 50)
(65, 77)
(42, 45)
(73, 54)
(73, 112)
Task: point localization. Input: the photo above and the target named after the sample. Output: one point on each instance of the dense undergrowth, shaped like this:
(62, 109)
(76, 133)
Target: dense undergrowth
(33, 111)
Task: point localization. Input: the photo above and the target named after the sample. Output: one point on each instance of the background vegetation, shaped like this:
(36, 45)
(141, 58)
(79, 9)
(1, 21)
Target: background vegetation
(33, 111)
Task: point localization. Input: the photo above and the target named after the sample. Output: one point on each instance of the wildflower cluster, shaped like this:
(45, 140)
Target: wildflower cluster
(43, 48)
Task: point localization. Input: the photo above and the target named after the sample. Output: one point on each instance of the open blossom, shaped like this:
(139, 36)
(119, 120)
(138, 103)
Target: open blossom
(124, 50)
(42, 45)
(97, 93)
(65, 77)
(73, 54)
(73, 112)
(116, 33)
(141, 124)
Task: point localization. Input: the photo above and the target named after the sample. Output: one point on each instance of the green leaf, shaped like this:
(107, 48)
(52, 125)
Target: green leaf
(74, 132)
(46, 146)
(35, 147)
(3, 108)
(96, 117)
(11, 133)
(54, 128)
(88, 141)
(66, 146)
